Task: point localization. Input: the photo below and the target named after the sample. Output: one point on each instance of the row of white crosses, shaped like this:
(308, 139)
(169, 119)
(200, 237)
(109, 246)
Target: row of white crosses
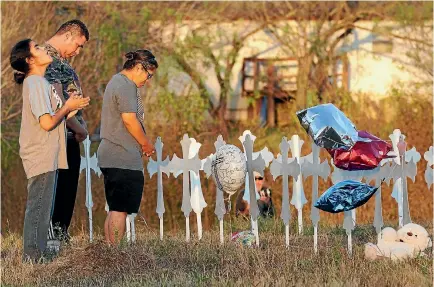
(297, 167)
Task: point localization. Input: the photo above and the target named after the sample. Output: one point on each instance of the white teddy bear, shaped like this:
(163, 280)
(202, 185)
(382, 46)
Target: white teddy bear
(408, 242)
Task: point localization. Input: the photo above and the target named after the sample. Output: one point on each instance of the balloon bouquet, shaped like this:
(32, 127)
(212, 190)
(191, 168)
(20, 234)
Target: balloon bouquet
(350, 150)
(331, 129)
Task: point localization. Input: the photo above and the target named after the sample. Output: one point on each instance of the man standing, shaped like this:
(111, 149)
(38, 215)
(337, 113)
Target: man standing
(66, 43)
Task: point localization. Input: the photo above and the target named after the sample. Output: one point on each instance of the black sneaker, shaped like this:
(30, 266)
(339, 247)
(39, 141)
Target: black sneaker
(65, 237)
(58, 233)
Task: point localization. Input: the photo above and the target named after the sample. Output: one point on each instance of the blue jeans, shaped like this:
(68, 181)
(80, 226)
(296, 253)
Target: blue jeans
(40, 196)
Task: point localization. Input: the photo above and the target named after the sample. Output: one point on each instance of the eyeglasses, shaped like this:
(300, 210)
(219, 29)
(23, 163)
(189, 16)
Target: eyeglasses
(259, 178)
(149, 74)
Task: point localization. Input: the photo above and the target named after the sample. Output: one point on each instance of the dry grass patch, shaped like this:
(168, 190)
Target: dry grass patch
(174, 262)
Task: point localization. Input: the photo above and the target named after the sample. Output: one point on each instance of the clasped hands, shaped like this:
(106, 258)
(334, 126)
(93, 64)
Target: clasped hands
(148, 149)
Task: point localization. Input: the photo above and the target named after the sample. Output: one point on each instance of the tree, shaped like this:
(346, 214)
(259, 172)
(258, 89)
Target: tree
(208, 41)
(416, 27)
(317, 31)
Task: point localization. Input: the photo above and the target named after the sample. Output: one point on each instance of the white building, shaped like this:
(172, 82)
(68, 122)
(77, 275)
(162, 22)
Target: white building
(375, 64)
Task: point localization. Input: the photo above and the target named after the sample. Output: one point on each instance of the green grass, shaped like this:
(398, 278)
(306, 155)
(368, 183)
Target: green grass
(173, 262)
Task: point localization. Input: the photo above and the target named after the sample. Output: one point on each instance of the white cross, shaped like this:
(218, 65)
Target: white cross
(313, 167)
(266, 155)
(220, 208)
(159, 167)
(298, 197)
(285, 168)
(197, 200)
(252, 165)
(184, 165)
(89, 163)
(377, 175)
(339, 175)
(403, 166)
(429, 172)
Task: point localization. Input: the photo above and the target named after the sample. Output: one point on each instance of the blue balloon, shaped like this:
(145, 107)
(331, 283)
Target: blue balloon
(344, 196)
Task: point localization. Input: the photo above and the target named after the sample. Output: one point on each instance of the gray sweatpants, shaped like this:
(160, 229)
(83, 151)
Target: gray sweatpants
(40, 196)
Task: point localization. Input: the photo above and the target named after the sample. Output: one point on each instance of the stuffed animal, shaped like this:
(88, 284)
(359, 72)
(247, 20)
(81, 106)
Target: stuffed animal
(408, 242)
(416, 235)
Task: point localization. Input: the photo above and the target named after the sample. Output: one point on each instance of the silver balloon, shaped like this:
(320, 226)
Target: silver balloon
(329, 127)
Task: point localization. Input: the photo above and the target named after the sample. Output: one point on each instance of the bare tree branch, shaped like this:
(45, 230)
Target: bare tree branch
(393, 35)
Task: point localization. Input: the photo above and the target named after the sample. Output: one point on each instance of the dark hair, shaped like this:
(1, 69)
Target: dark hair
(74, 26)
(20, 52)
(144, 57)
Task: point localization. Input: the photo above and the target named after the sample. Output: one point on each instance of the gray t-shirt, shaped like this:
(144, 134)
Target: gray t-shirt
(41, 151)
(118, 148)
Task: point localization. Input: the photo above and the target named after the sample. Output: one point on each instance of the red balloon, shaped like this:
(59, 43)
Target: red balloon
(363, 155)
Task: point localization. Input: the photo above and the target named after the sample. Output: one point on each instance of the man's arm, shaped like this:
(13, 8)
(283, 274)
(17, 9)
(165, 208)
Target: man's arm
(135, 129)
(72, 122)
(59, 89)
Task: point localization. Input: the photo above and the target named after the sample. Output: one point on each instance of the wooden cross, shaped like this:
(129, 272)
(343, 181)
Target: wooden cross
(429, 172)
(268, 157)
(197, 200)
(88, 163)
(284, 168)
(220, 208)
(159, 167)
(298, 197)
(252, 165)
(403, 166)
(184, 165)
(339, 175)
(313, 167)
(382, 172)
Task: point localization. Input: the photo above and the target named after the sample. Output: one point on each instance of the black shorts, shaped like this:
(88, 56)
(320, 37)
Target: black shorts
(123, 189)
